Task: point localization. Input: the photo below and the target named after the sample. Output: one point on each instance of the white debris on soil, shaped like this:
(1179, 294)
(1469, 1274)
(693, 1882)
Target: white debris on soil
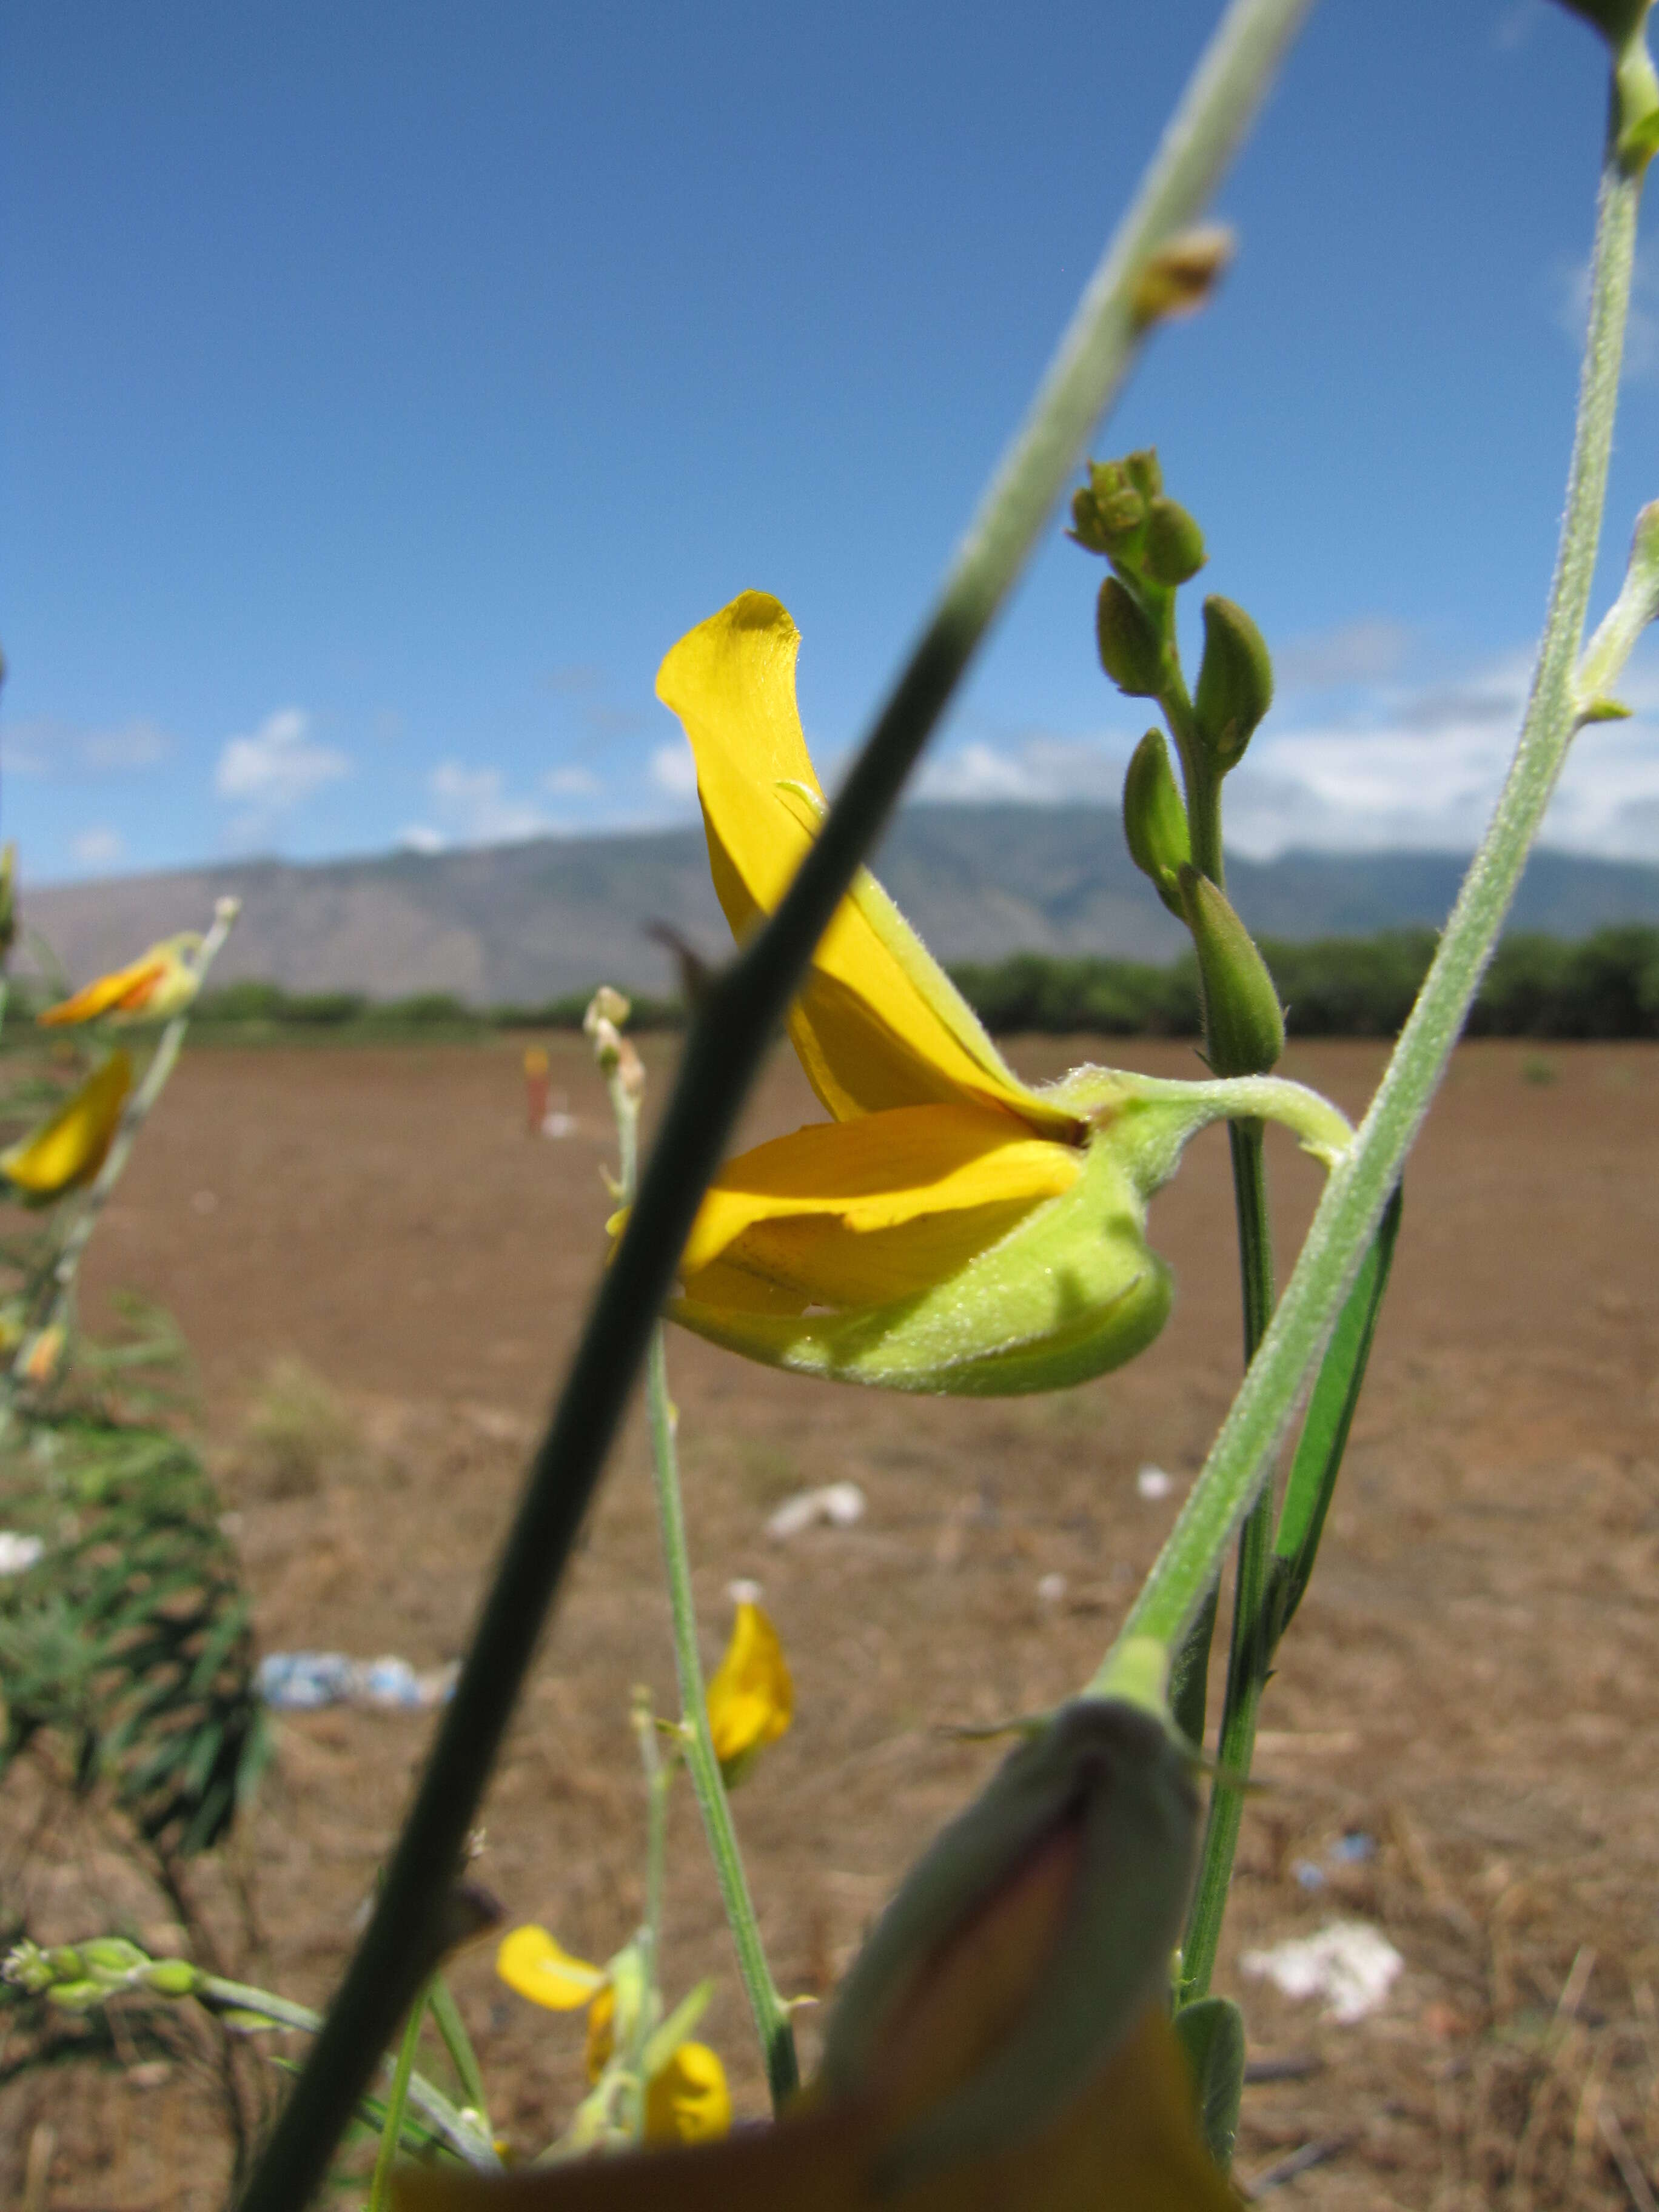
(18, 1552)
(839, 1504)
(1152, 1482)
(1052, 1588)
(1349, 1963)
(744, 1592)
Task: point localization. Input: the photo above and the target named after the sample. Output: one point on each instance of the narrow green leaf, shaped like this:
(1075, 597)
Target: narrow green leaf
(1325, 1431)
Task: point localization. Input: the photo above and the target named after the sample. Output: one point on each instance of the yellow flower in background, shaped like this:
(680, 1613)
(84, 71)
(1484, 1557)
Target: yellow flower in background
(68, 1149)
(160, 984)
(530, 1961)
(751, 1699)
(952, 1228)
(687, 2101)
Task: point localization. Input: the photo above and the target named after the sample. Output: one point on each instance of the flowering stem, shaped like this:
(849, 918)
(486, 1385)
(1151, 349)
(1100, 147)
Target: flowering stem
(468, 2140)
(771, 2015)
(721, 1056)
(1359, 1186)
(391, 2123)
(66, 1264)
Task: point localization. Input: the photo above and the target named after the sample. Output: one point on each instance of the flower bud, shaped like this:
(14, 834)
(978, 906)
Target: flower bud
(1026, 1946)
(1243, 1021)
(172, 1977)
(606, 1004)
(1173, 548)
(111, 1958)
(1131, 652)
(1144, 471)
(1235, 682)
(1155, 819)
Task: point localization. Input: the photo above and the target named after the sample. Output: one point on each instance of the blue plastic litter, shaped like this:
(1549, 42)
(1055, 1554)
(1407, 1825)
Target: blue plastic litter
(305, 1681)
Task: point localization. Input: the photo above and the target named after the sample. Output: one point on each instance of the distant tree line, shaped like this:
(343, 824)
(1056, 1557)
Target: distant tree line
(1603, 986)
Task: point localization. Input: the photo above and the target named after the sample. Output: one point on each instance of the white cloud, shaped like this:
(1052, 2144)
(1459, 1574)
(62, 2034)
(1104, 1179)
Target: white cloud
(673, 770)
(571, 782)
(276, 768)
(476, 807)
(98, 847)
(1037, 770)
(1423, 769)
(45, 746)
(421, 837)
(1367, 651)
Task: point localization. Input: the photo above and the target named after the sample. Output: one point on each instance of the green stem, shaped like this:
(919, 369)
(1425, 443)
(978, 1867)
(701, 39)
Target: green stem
(771, 2015)
(1360, 1187)
(470, 2142)
(1201, 782)
(722, 1053)
(65, 1267)
(447, 2017)
(391, 2126)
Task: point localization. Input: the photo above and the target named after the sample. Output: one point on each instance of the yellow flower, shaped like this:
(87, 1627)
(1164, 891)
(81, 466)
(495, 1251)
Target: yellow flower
(751, 1699)
(160, 984)
(1001, 2058)
(67, 1148)
(952, 1228)
(686, 2099)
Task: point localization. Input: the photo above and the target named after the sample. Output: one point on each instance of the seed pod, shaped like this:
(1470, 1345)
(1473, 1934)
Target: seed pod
(1235, 682)
(1155, 819)
(1243, 1021)
(1132, 653)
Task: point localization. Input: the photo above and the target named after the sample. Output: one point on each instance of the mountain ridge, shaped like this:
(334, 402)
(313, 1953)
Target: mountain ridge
(530, 922)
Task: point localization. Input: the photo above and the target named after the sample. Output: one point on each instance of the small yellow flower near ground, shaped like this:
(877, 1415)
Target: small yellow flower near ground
(159, 984)
(687, 2101)
(952, 1228)
(751, 1698)
(530, 1961)
(68, 1147)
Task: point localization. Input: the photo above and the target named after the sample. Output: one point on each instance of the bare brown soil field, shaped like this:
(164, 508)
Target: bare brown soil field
(1471, 1681)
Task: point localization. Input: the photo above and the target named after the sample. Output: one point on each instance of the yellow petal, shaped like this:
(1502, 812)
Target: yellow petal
(878, 1024)
(68, 1149)
(1068, 1290)
(860, 1212)
(160, 984)
(751, 1699)
(601, 2032)
(688, 2102)
(530, 1962)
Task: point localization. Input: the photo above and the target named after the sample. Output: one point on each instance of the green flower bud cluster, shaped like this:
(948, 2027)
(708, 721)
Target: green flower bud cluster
(79, 1976)
(1154, 546)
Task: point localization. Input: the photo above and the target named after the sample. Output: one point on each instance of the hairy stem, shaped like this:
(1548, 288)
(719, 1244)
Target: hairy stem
(1361, 1184)
(721, 1056)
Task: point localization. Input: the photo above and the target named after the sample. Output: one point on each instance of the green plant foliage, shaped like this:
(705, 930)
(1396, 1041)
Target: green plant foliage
(129, 1639)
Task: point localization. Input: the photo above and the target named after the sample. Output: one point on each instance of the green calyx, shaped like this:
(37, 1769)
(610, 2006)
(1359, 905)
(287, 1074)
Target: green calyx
(1173, 549)
(1243, 1021)
(1072, 1291)
(1155, 819)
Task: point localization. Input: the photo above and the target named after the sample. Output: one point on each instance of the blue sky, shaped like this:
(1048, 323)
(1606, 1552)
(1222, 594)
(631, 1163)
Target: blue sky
(384, 388)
